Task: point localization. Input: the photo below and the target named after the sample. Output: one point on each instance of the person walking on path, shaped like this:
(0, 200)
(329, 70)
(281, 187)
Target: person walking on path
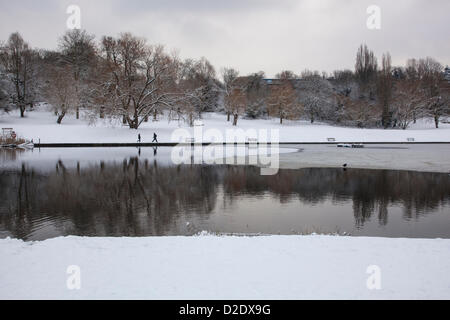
(139, 138)
(155, 138)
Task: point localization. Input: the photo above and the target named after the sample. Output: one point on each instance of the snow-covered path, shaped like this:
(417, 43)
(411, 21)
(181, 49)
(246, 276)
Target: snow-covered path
(209, 267)
(41, 125)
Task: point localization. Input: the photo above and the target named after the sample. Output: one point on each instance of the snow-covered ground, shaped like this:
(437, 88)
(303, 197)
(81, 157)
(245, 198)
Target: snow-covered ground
(210, 267)
(213, 267)
(42, 125)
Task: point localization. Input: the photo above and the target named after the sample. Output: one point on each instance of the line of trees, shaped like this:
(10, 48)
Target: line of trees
(126, 78)
(371, 96)
(120, 77)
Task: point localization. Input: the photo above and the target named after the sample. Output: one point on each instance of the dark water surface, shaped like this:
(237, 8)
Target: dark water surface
(59, 193)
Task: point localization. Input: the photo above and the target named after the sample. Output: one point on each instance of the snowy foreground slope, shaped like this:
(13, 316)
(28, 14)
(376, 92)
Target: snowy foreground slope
(208, 267)
(42, 125)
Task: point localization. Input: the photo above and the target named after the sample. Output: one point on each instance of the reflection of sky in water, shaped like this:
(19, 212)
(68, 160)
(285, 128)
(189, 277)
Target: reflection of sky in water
(44, 159)
(223, 199)
(266, 215)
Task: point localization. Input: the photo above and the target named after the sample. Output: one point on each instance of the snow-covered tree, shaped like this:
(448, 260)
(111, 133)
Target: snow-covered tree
(408, 102)
(6, 91)
(18, 61)
(78, 51)
(140, 80)
(427, 74)
(229, 76)
(438, 106)
(257, 92)
(435, 88)
(317, 96)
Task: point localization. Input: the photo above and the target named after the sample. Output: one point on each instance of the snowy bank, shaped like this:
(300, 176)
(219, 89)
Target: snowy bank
(208, 267)
(41, 125)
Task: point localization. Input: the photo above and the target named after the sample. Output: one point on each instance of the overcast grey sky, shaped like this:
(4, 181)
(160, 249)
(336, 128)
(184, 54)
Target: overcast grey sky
(249, 35)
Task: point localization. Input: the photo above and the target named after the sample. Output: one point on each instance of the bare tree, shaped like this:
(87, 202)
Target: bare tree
(435, 88)
(366, 68)
(428, 74)
(361, 113)
(286, 75)
(384, 88)
(18, 60)
(140, 79)
(236, 102)
(189, 102)
(438, 106)
(305, 74)
(229, 76)
(283, 101)
(408, 102)
(61, 91)
(5, 90)
(79, 52)
(198, 80)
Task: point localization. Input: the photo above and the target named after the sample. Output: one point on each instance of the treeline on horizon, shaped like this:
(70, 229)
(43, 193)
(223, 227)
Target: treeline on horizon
(126, 78)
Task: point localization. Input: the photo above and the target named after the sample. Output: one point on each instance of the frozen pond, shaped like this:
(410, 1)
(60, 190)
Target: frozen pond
(129, 192)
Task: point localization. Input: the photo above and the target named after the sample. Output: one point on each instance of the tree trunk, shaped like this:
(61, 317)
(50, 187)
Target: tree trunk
(436, 121)
(60, 117)
(136, 120)
(386, 118)
(228, 116)
(133, 124)
(78, 113)
(235, 120)
(124, 119)
(281, 119)
(22, 111)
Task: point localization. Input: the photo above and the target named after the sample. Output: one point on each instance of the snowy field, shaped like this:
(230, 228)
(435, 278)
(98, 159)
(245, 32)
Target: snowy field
(213, 267)
(42, 125)
(210, 267)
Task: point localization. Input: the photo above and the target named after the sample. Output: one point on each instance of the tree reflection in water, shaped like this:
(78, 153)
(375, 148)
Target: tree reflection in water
(140, 198)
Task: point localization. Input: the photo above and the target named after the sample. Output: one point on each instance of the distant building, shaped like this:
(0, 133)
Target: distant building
(271, 82)
(274, 82)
